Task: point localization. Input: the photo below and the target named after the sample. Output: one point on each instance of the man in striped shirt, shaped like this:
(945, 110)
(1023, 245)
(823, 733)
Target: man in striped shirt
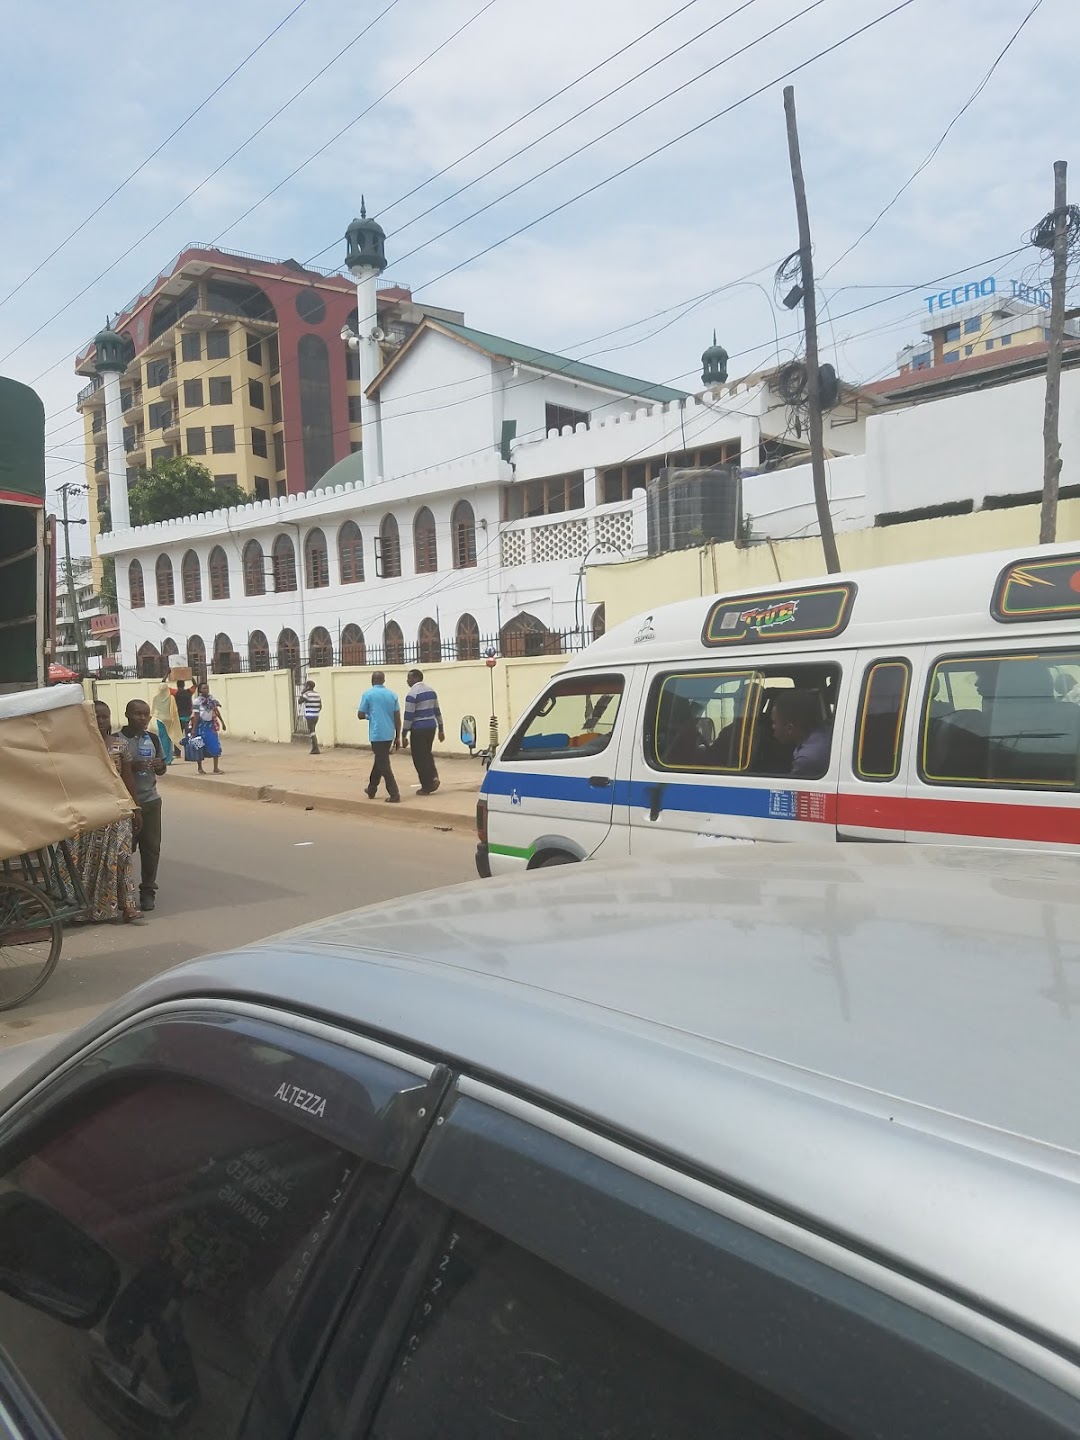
(310, 710)
(423, 719)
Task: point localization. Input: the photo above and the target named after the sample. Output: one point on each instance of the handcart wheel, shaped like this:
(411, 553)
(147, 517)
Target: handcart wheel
(30, 939)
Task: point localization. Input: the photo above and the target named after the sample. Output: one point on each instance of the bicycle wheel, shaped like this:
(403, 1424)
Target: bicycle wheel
(30, 941)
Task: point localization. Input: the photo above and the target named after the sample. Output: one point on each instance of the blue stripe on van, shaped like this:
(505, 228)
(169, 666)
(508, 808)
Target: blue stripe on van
(763, 803)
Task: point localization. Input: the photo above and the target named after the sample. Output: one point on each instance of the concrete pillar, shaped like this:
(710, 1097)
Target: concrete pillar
(117, 459)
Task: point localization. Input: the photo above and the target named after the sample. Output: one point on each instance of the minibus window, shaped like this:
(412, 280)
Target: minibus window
(1009, 721)
(880, 728)
(574, 718)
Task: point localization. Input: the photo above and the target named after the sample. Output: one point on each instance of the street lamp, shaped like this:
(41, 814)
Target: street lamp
(579, 614)
(64, 491)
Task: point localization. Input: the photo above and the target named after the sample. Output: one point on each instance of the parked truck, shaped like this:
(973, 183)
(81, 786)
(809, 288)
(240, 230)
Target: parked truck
(26, 565)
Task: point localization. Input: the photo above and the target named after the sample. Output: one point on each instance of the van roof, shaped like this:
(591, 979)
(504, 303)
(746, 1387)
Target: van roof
(885, 1039)
(924, 601)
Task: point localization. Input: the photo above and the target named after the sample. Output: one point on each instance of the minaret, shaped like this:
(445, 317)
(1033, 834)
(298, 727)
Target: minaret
(714, 364)
(110, 362)
(366, 261)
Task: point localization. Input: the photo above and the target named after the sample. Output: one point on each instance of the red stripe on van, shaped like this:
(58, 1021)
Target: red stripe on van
(1057, 824)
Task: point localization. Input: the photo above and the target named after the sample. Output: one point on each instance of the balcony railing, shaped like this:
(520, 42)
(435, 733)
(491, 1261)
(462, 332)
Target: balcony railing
(88, 390)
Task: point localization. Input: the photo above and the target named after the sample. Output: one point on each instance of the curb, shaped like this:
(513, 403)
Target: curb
(404, 814)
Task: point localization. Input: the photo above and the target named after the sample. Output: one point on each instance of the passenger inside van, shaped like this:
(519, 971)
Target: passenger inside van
(798, 720)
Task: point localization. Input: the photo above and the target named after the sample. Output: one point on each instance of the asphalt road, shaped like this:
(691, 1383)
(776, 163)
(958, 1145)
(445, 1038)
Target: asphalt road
(233, 871)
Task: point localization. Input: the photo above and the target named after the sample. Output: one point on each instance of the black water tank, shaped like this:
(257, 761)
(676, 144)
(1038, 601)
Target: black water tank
(692, 507)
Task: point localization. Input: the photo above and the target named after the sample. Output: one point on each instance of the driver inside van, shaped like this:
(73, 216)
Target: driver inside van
(797, 721)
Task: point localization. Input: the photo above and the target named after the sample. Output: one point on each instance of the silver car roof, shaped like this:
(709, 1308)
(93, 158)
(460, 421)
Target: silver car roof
(883, 1039)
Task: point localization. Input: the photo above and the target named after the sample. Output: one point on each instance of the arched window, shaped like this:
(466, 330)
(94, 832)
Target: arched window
(353, 649)
(351, 553)
(599, 624)
(526, 635)
(148, 661)
(225, 659)
(254, 569)
(168, 652)
(196, 657)
(425, 548)
(320, 647)
(284, 558)
(217, 567)
(258, 650)
(316, 561)
(191, 578)
(463, 535)
(388, 556)
(393, 644)
(163, 575)
(288, 652)
(428, 642)
(136, 587)
(468, 638)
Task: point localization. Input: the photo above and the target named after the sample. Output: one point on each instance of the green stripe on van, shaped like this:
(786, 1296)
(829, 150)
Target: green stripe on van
(512, 851)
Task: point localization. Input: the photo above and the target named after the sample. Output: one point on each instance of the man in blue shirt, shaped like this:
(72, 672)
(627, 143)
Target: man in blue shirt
(422, 719)
(379, 707)
(796, 721)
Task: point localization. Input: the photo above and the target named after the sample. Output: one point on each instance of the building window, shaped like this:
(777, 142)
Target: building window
(1006, 339)
(989, 345)
(217, 344)
(223, 440)
(320, 647)
(620, 482)
(254, 566)
(196, 656)
(196, 440)
(217, 567)
(101, 459)
(921, 362)
(275, 359)
(428, 642)
(463, 536)
(352, 364)
(136, 587)
(226, 661)
(220, 390)
(284, 563)
(316, 561)
(275, 404)
(191, 345)
(393, 644)
(280, 488)
(262, 489)
(163, 452)
(550, 496)
(193, 393)
(288, 652)
(972, 327)
(467, 638)
(388, 549)
(258, 443)
(353, 648)
(256, 395)
(316, 422)
(258, 650)
(254, 349)
(425, 546)
(968, 349)
(351, 553)
(157, 372)
(557, 416)
(355, 404)
(279, 450)
(951, 357)
(224, 482)
(191, 578)
(951, 333)
(126, 400)
(160, 415)
(310, 306)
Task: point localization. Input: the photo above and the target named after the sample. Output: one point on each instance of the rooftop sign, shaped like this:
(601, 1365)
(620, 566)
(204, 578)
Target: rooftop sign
(973, 290)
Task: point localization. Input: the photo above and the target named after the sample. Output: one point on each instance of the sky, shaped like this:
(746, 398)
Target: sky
(645, 255)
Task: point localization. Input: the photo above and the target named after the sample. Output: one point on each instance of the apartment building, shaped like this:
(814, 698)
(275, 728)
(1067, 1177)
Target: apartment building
(238, 361)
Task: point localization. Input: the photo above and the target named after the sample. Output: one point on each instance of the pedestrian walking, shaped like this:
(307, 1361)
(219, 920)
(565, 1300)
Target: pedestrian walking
(207, 721)
(423, 719)
(147, 763)
(183, 697)
(380, 708)
(310, 710)
(105, 858)
(166, 721)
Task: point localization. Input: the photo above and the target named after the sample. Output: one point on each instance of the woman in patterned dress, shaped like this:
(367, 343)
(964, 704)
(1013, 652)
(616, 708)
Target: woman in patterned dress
(103, 857)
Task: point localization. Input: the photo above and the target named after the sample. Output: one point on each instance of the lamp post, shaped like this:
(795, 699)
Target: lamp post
(64, 492)
(579, 613)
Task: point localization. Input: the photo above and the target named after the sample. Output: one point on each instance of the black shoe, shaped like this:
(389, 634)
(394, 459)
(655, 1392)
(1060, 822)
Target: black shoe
(146, 900)
(370, 794)
(393, 799)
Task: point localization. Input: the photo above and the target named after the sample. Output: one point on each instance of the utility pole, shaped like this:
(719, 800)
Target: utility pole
(1051, 435)
(813, 390)
(80, 644)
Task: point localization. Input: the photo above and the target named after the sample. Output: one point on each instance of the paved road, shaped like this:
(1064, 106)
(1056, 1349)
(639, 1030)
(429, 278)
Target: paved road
(234, 871)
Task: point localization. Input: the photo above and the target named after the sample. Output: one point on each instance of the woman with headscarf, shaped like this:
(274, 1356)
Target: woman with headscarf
(163, 712)
(103, 857)
(207, 720)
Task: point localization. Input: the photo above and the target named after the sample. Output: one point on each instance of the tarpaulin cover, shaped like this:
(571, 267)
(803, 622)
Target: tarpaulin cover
(22, 441)
(56, 778)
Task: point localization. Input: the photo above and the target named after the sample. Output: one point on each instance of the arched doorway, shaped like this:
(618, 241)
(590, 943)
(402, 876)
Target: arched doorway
(288, 652)
(353, 648)
(393, 644)
(226, 662)
(467, 638)
(526, 635)
(148, 661)
(196, 658)
(428, 642)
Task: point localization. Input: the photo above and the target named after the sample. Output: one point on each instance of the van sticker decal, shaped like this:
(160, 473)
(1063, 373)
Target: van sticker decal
(646, 632)
(803, 614)
(1038, 590)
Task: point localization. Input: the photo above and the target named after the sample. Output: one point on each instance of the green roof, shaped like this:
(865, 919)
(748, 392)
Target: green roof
(560, 365)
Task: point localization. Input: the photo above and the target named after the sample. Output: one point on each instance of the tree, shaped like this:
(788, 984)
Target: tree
(172, 489)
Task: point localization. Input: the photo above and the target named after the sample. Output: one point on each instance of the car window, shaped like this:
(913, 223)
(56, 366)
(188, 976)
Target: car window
(1008, 721)
(760, 720)
(200, 1215)
(575, 717)
(879, 727)
(501, 1343)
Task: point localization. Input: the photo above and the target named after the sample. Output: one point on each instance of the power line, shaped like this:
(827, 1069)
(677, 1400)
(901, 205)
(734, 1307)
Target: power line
(940, 141)
(153, 153)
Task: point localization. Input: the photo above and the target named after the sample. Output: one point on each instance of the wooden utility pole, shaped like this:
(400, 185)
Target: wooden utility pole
(1051, 436)
(813, 390)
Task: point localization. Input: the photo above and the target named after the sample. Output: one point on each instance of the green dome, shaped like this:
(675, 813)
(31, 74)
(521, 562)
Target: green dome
(366, 241)
(109, 347)
(714, 364)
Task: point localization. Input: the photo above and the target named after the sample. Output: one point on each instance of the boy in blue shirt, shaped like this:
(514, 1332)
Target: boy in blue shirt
(379, 707)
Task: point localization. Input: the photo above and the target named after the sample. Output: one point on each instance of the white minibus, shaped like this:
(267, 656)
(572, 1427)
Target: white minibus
(936, 701)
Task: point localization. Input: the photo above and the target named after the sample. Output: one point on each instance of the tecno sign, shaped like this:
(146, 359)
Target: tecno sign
(979, 289)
